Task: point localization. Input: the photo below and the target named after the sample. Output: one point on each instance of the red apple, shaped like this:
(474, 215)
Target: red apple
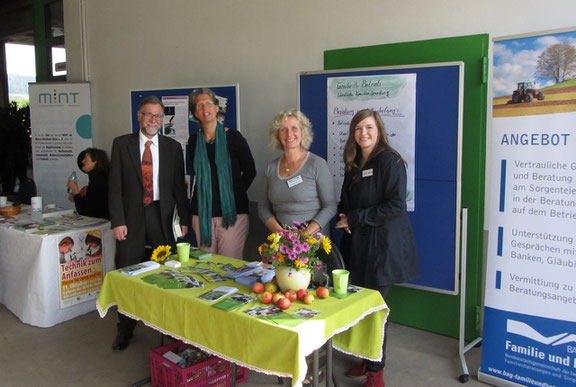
(284, 303)
(266, 297)
(277, 297)
(322, 292)
(290, 294)
(308, 298)
(301, 293)
(258, 287)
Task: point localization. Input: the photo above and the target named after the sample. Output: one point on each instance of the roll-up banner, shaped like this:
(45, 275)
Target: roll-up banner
(61, 123)
(530, 298)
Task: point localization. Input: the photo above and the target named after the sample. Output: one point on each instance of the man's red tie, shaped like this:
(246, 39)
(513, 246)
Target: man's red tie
(147, 174)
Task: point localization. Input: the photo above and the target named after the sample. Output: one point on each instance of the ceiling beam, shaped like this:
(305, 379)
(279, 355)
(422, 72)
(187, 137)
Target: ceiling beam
(17, 23)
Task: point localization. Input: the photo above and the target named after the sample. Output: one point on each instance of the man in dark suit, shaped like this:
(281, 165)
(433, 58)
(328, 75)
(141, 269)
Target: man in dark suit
(146, 185)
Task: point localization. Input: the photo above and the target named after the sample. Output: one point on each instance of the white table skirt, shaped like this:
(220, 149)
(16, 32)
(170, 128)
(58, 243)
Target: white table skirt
(29, 275)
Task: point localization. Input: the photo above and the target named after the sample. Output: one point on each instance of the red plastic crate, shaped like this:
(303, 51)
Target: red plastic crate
(214, 371)
(241, 374)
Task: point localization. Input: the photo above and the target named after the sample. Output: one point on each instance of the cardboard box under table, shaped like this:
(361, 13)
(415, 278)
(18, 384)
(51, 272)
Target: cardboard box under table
(354, 324)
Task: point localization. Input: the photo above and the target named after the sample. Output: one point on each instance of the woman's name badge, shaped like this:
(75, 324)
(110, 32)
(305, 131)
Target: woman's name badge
(367, 172)
(294, 181)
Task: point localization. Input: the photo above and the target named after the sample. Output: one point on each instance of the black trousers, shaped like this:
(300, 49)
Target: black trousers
(147, 232)
(154, 236)
(375, 366)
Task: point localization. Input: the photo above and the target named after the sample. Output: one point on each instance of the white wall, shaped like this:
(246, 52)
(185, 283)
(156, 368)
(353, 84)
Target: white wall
(260, 44)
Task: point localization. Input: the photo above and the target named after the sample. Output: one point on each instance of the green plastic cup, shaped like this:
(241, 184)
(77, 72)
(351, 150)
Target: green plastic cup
(340, 278)
(183, 251)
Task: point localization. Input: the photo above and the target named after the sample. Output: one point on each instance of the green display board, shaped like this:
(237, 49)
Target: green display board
(425, 310)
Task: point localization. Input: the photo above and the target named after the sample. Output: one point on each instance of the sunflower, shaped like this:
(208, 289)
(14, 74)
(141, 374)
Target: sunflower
(275, 239)
(300, 262)
(160, 253)
(326, 244)
(311, 241)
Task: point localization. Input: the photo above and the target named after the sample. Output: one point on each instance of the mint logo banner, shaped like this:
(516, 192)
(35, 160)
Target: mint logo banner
(61, 124)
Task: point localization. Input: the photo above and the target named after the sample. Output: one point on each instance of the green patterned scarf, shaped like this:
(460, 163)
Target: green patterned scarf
(204, 184)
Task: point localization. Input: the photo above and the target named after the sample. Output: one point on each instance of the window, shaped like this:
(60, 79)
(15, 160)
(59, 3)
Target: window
(20, 69)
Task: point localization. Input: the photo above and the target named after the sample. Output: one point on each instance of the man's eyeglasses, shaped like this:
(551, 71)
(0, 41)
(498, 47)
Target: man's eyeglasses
(154, 116)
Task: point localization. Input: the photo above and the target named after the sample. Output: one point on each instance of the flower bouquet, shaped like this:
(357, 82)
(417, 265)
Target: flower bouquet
(295, 247)
(160, 253)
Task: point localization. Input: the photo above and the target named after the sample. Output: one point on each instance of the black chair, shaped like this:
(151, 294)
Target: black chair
(26, 191)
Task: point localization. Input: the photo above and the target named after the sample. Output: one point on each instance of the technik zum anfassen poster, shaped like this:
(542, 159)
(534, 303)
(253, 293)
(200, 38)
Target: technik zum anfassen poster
(530, 299)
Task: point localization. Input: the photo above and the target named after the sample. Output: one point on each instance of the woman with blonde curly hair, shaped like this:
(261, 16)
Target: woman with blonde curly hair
(297, 186)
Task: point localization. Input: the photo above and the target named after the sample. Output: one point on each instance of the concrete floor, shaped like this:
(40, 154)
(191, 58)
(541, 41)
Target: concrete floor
(78, 353)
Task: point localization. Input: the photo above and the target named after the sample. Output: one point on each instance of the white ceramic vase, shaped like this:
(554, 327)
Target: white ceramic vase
(292, 278)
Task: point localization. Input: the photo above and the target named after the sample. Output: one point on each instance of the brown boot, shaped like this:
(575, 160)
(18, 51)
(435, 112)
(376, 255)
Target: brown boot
(374, 379)
(357, 371)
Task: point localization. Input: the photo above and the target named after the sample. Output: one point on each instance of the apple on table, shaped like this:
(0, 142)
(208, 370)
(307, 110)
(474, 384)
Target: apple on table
(284, 303)
(308, 299)
(290, 294)
(301, 293)
(266, 297)
(258, 287)
(271, 287)
(322, 292)
(277, 297)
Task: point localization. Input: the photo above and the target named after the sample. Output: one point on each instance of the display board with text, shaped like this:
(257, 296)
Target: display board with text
(434, 201)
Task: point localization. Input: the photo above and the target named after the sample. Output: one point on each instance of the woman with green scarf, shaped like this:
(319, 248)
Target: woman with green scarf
(224, 169)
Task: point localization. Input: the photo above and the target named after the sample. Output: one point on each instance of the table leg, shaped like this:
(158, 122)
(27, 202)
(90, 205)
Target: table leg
(329, 374)
(315, 363)
(233, 376)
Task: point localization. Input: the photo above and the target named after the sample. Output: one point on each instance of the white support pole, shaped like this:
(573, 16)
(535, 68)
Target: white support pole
(84, 42)
(462, 347)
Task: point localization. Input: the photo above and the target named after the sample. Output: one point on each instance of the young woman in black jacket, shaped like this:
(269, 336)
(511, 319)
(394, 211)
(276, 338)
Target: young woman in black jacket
(378, 244)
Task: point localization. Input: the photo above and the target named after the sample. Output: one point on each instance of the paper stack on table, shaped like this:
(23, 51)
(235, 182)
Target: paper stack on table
(140, 268)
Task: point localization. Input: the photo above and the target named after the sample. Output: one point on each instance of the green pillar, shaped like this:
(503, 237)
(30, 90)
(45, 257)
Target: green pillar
(41, 53)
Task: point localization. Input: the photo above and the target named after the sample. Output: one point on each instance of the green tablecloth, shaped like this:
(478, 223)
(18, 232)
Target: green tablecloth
(355, 323)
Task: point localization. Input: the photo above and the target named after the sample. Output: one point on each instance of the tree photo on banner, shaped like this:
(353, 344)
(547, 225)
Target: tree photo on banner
(393, 97)
(530, 292)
